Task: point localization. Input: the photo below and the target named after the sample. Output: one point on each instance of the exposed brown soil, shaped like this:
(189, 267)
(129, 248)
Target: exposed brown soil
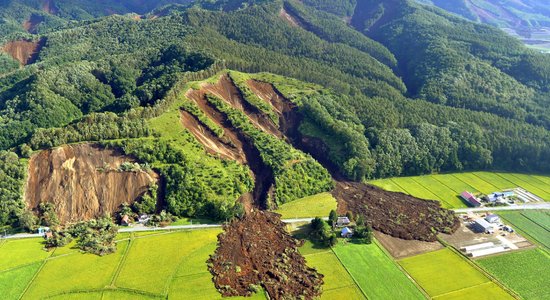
(83, 182)
(289, 18)
(32, 23)
(257, 250)
(395, 214)
(49, 7)
(24, 51)
(213, 144)
(400, 248)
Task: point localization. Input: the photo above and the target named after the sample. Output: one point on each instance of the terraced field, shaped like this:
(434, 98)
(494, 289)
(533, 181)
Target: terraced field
(443, 274)
(446, 188)
(534, 224)
(376, 273)
(150, 266)
(525, 272)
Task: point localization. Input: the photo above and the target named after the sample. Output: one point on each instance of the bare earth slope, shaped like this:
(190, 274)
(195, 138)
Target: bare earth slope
(83, 182)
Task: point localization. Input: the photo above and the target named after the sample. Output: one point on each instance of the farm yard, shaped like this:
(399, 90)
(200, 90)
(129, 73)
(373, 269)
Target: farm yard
(444, 274)
(446, 188)
(524, 272)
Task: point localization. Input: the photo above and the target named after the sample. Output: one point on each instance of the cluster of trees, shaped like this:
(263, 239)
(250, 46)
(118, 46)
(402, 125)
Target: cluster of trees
(12, 175)
(322, 233)
(195, 185)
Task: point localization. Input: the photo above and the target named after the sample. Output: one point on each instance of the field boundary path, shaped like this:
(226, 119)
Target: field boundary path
(539, 206)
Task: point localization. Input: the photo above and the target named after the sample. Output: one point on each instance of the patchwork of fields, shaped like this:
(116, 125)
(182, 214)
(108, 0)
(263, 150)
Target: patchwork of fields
(444, 274)
(446, 188)
(533, 224)
(148, 266)
(525, 272)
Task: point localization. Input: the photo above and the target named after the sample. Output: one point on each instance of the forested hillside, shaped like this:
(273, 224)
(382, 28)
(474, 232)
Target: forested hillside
(459, 96)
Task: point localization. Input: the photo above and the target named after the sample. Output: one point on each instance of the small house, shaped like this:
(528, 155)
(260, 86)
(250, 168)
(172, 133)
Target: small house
(492, 218)
(346, 232)
(42, 230)
(342, 221)
(143, 219)
(470, 198)
(480, 225)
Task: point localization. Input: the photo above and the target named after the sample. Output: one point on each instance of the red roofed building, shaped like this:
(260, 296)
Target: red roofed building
(470, 198)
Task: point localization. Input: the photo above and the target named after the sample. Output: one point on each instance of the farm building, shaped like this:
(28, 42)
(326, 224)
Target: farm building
(470, 198)
(492, 218)
(346, 232)
(342, 221)
(499, 195)
(480, 225)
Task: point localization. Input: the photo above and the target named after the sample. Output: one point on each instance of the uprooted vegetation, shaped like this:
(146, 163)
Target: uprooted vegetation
(85, 181)
(256, 251)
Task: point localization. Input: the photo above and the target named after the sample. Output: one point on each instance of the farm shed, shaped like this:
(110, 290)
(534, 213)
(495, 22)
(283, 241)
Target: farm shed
(480, 225)
(477, 246)
(470, 198)
(492, 218)
(487, 251)
(342, 221)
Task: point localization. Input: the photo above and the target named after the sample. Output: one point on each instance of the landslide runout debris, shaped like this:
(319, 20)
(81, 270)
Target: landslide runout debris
(396, 214)
(256, 251)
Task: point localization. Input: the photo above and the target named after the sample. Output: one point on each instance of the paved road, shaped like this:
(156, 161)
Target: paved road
(300, 220)
(545, 205)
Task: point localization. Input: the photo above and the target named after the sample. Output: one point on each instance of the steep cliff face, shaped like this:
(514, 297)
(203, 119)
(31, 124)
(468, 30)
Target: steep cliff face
(84, 181)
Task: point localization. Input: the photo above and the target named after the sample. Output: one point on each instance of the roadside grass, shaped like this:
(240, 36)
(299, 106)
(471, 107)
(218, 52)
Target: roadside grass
(14, 282)
(376, 273)
(525, 272)
(318, 205)
(15, 253)
(531, 229)
(336, 278)
(444, 273)
(446, 188)
(76, 271)
(160, 255)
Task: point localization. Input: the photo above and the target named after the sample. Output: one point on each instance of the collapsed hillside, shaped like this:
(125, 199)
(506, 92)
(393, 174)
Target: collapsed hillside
(24, 51)
(84, 181)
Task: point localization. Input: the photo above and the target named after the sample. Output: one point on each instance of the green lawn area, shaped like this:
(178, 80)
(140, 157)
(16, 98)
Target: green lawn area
(444, 274)
(318, 205)
(15, 253)
(14, 282)
(376, 273)
(338, 282)
(446, 188)
(525, 225)
(525, 272)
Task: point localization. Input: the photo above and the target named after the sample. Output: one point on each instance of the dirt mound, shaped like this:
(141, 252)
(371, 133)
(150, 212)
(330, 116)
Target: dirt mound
(257, 251)
(83, 181)
(24, 51)
(32, 23)
(396, 214)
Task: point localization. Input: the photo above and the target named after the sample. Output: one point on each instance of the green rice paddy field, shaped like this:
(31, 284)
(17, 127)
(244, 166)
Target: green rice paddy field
(533, 224)
(446, 188)
(149, 266)
(318, 205)
(525, 272)
(444, 274)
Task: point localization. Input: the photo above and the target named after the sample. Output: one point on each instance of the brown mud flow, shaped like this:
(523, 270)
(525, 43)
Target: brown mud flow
(83, 181)
(24, 51)
(257, 251)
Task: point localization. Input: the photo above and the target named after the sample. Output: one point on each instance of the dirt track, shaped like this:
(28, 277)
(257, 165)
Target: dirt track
(257, 250)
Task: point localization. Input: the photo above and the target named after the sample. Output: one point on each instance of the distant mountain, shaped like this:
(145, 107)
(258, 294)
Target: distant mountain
(528, 20)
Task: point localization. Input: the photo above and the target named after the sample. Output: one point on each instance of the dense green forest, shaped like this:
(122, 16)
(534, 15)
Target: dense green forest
(459, 96)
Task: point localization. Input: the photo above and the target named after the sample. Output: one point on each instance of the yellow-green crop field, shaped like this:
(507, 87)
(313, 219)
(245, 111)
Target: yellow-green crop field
(533, 224)
(154, 266)
(338, 282)
(446, 188)
(444, 274)
(318, 205)
(525, 272)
